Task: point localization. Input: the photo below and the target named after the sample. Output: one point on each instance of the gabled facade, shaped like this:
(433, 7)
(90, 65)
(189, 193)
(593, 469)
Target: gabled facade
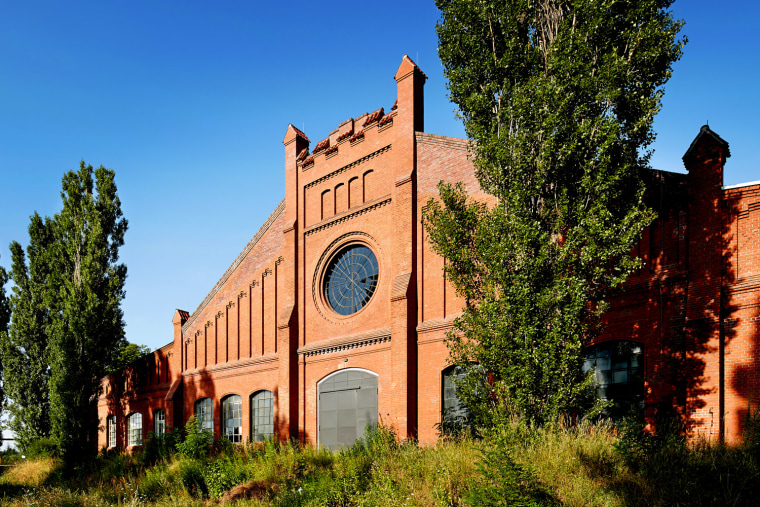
(334, 314)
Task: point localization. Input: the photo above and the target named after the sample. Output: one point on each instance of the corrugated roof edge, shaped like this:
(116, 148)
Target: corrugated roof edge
(263, 229)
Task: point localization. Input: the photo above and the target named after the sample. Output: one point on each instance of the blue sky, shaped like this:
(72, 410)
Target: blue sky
(188, 102)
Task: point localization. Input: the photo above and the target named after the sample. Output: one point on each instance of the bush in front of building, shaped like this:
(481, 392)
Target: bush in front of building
(160, 448)
(42, 448)
(197, 441)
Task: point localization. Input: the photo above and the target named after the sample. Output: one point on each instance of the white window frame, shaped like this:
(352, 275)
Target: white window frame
(111, 430)
(134, 429)
(159, 422)
(232, 418)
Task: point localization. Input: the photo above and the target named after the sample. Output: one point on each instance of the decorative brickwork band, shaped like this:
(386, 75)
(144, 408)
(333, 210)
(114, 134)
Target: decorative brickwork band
(343, 218)
(346, 343)
(348, 166)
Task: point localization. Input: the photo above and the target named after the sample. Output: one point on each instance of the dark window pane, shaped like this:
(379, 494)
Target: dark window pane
(262, 416)
(351, 279)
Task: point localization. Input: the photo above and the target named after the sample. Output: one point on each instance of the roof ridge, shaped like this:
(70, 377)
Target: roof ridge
(242, 255)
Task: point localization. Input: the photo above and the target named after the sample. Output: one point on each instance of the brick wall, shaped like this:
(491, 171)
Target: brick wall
(693, 305)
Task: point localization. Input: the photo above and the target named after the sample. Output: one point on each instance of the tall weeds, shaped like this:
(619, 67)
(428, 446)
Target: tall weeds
(566, 464)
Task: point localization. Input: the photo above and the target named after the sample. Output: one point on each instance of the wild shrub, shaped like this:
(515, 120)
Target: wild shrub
(112, 466)
(751, 434)
(223, 447)
(500, 480)
(159, 481)
(160, 447)
(191, 475)
(638, 446)
(223, 474)
(42, 448)
(196, 442)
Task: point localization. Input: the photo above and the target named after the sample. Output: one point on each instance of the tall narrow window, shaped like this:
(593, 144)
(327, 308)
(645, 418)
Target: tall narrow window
(159, 422)
(204, 413)
(262, 416)
(455, 415)
(232, 418)
(134, 429)
(111, 431)
(619, 374)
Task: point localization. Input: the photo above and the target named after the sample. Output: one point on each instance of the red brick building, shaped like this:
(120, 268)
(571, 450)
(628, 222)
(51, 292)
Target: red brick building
(334, 314)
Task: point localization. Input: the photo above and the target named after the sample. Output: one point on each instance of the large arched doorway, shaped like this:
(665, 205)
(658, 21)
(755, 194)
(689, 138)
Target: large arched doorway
(347, 404)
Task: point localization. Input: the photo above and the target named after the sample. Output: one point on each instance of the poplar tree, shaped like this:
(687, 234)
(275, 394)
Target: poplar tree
(24, 349)
(86, 281)
(558, 97)
(5, 315)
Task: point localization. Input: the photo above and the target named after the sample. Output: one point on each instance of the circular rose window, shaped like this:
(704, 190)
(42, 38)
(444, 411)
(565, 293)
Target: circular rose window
(350, 279)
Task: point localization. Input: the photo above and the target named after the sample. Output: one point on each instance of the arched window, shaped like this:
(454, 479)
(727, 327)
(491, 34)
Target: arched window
(455, 416)
(134, 429)
(619, 374)
(111, 425)
(159, 422)
(232, 418)
(262, 416)
(204, 413)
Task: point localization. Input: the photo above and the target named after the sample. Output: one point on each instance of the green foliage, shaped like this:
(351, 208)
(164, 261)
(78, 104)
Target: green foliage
(191, 474)
(24, 349)
(222, 474)
(558, 97)
(572, 464)
(501, 481)
(66, 324)
(681, 473)
(636, 444)
(158, 448)
(42, 448)
(5, 316)
(751, 433)
(128, 354)
(196, 443)
(87, 287)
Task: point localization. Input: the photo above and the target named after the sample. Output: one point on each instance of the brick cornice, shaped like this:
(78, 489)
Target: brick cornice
(231, 365)
(346, 342)
(348, 166)
(347, 215)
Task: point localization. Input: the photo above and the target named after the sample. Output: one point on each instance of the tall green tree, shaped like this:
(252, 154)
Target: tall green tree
(559, 98)
(5, 316)
(24, 349)
(86, 324)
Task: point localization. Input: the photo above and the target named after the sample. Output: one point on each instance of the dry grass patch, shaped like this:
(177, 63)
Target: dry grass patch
(31, 473)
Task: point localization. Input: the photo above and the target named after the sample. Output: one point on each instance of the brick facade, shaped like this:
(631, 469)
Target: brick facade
(267, 325)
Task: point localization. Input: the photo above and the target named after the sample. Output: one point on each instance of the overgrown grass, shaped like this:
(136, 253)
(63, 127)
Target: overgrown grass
(562, 465)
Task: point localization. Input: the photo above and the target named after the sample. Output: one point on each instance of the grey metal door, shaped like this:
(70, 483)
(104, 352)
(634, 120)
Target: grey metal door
(347, 404)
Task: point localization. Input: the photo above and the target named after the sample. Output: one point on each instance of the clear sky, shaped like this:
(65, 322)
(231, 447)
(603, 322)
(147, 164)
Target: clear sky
(189, 102)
